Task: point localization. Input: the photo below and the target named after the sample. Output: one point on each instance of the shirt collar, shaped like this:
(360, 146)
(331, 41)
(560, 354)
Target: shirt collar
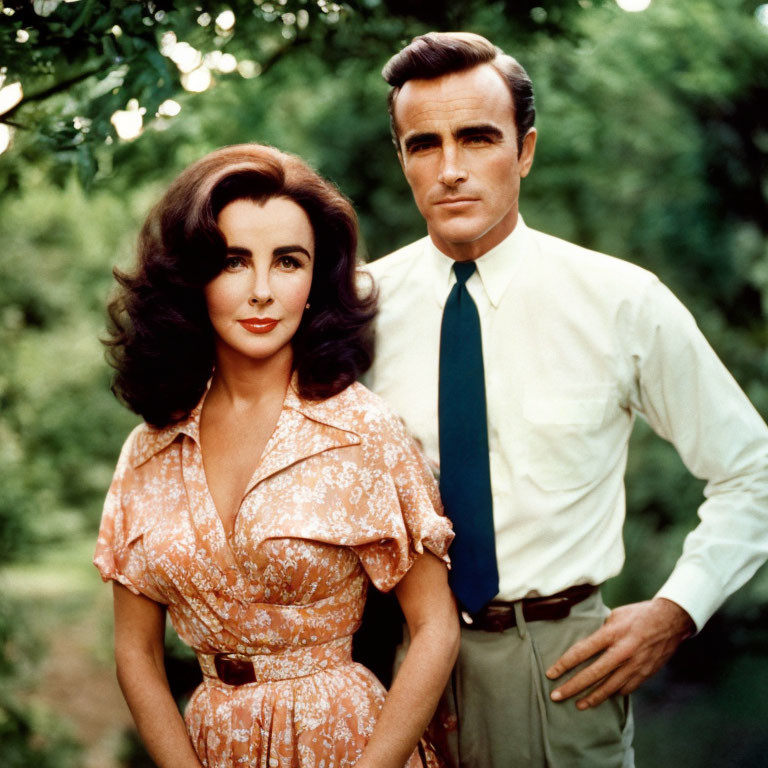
(152, 441)
(495, 268)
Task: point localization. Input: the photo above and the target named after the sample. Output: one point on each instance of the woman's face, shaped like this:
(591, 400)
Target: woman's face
(256, 302)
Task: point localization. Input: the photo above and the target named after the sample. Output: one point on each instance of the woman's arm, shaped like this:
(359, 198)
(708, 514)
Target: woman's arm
(139, 631)
(433, 625)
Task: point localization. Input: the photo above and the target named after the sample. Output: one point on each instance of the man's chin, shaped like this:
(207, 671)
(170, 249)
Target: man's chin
(459, 233)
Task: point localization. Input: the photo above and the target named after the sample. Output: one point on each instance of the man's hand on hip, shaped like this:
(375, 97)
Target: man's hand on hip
(633, 644)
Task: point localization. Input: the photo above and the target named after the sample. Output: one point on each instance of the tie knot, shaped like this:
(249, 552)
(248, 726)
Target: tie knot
(463, 270)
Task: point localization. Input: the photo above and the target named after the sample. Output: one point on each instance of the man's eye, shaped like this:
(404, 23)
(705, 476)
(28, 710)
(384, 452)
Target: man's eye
(479, 139)
(421, 146)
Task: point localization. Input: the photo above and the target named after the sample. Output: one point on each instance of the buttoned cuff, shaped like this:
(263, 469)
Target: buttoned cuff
(695, 591)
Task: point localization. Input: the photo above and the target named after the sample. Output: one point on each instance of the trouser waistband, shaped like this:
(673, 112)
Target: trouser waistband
(499, 615)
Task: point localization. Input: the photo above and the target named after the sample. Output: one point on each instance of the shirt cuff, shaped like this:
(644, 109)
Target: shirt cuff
(695, 591)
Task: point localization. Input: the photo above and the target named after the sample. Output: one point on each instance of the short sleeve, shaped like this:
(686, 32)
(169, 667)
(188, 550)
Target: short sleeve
(405, 504)
(119, 552)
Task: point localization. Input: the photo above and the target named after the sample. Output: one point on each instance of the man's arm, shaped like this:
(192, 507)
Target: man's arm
(690, 399)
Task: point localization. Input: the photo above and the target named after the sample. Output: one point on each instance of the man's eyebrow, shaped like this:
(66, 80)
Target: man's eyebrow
(483, 128)
(419, 138)
(284, 250)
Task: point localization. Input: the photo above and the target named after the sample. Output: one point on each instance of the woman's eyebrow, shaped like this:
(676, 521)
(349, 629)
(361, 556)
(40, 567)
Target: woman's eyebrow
(238, 250)
(283, 250)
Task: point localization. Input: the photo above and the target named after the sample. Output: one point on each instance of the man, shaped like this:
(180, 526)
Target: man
(520, 362)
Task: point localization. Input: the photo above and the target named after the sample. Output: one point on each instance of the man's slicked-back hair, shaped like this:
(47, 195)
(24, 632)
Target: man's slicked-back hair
(442, 53)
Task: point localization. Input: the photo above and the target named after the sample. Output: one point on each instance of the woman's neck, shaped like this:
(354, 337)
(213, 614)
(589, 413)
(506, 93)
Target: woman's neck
(242, 382)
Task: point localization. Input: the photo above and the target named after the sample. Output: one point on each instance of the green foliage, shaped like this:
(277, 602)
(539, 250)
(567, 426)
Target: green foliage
(27, 740)
(79, 62)
(60, 426)
(27, 737)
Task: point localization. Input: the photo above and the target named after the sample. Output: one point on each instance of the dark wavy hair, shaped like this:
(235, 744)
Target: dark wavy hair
(161, 342)
(442, 53)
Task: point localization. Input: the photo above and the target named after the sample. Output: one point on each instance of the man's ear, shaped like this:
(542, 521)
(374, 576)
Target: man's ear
(526, 155)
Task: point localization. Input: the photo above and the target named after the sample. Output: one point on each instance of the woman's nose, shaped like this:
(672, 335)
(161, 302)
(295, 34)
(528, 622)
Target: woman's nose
(261, 293)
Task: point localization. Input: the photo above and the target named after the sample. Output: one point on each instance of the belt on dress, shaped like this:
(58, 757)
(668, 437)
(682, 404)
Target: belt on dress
(499, 615)
(284, 664)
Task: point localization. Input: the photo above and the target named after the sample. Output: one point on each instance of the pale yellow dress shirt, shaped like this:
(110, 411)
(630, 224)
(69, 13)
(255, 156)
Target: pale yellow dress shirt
(576, 344)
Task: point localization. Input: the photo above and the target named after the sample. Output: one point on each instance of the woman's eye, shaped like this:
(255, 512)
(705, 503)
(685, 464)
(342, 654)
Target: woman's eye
(289, 262)
(233, 262)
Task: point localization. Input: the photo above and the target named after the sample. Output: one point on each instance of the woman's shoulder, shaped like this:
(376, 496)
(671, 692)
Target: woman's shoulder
(143, 442)
(359, 410)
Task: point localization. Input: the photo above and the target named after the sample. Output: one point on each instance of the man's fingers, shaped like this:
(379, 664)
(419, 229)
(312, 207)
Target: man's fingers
(624, 678)
(630, 647)
(631, 685)
(579, 653)
(605, 690)
(607, 664)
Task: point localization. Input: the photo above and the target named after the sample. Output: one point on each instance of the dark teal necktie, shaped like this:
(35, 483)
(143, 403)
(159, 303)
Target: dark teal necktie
(465, 474)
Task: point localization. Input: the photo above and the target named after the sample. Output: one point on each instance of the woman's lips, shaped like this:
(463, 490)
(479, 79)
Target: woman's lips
(258, 324)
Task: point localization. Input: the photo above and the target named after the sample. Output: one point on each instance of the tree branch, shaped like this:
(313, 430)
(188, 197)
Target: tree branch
(46, 93)
(277, 55)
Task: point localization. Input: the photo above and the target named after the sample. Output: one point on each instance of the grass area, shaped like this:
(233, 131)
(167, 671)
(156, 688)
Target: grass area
(61, 648)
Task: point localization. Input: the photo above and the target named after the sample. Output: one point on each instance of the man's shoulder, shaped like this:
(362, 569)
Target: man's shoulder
(398, 262)
(587, 265)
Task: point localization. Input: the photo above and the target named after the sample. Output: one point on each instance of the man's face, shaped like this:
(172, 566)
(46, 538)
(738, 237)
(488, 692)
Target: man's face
(458, 149)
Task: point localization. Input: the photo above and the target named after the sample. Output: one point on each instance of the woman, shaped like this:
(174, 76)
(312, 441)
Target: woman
(266, 486)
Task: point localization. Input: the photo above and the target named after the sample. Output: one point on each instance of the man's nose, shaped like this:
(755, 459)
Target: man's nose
(452, 168)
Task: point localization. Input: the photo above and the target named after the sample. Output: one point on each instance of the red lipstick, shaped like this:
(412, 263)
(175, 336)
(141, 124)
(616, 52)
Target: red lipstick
(258, 324)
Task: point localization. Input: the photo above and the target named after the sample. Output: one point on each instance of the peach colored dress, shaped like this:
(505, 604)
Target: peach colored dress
(340, 496)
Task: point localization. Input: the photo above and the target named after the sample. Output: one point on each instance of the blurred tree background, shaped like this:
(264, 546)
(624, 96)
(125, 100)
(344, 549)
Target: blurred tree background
(653, 146)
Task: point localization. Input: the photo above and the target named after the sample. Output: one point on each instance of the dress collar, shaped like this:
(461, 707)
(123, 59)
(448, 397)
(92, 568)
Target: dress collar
(495, 269)
(151, 441)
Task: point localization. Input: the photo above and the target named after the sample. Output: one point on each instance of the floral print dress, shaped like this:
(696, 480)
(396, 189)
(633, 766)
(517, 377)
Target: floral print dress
(341, 495)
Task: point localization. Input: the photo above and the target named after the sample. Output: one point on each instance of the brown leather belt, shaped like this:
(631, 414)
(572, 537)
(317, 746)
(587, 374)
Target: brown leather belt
(499, 615)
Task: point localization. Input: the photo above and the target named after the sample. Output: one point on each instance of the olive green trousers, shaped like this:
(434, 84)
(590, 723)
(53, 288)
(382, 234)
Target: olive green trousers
(499, 698)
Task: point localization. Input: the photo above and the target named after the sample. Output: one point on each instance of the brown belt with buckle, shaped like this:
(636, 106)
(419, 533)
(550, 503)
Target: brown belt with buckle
(284, 664)
(499, 615)
(234, 671)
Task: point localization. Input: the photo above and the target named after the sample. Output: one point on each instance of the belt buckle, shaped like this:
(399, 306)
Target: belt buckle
(489, 620)
(496, 621)
(234, 671)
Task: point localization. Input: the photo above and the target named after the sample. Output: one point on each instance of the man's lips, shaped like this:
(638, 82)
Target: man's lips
(258, 324)
(456, 201)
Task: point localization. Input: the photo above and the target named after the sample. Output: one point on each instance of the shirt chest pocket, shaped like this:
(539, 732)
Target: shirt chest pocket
(563, 445)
